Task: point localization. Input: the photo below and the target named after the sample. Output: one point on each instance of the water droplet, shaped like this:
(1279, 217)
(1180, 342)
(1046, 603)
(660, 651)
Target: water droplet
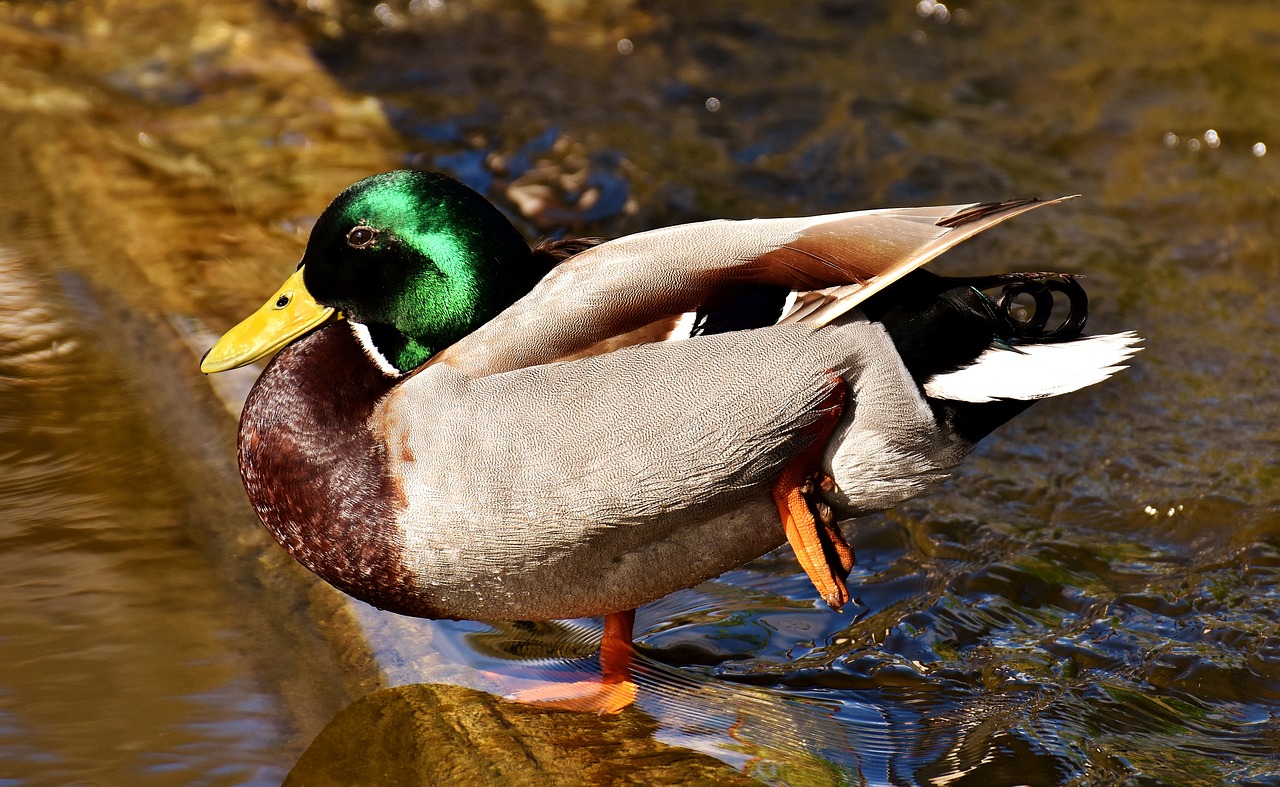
(1151, 510)
(925, 7)
(1259, 149)
(1212, 139)
(387, 16)
(625, 47)
(144, 139)
(713, 104)
(1193, 144)
(941, 14)
(1170, 139)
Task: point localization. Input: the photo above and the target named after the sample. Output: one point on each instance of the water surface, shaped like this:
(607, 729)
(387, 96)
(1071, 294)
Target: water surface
(127, 660)
(1092, 600)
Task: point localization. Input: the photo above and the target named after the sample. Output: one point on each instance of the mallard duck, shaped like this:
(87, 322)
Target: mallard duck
(458, 426)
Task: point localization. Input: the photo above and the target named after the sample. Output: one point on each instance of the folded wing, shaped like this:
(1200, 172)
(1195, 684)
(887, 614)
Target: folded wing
(627, 285)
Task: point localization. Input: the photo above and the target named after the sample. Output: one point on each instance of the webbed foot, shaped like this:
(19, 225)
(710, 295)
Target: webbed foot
(613, 692)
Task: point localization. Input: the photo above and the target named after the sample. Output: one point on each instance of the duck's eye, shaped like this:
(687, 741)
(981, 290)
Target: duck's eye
(360, 237)
(283, 300)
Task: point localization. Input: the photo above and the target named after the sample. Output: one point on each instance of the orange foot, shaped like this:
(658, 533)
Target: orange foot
(825, 555)
(582, 696)
(612, 693)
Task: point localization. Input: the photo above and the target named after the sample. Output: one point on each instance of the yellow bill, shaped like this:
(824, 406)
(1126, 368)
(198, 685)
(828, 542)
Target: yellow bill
(290, 313)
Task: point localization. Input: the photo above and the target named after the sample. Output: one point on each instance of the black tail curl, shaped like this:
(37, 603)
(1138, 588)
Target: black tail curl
(1017, 323)
(940, 323)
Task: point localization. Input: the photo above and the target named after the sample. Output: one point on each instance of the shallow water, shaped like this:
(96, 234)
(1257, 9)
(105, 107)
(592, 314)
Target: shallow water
(1093, 598)
(127, 660)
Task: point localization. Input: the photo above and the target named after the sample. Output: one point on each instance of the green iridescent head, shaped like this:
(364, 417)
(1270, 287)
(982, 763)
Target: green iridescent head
(417, 258)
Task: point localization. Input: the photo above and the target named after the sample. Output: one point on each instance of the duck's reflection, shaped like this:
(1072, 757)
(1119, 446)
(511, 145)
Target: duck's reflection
(441, 734)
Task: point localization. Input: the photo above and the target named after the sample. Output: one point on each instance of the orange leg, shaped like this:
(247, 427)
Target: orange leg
(616, 651)
(801, 527)
(613, 692)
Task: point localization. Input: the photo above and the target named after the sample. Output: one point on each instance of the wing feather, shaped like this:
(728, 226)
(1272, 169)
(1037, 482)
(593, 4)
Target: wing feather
(618, 287)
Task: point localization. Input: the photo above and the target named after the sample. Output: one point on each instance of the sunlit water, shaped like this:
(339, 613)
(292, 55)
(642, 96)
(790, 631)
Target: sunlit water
(1093, 599)
(125, 660)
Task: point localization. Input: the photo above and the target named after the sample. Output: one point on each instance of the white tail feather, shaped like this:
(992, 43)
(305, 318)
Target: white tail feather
(1036, 371)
